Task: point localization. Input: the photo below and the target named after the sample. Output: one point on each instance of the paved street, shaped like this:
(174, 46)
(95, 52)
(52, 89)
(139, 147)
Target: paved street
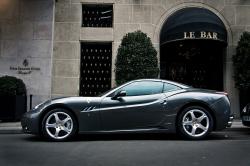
(230, 147)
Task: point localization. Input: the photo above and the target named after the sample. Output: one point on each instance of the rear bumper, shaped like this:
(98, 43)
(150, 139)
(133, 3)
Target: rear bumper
(230, 121)
(223, 115)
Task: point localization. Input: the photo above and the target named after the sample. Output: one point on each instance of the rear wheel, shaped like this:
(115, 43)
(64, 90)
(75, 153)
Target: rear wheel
(194, 123)
(59, 125)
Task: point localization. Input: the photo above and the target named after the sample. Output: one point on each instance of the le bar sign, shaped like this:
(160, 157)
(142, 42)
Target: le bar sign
(25, 69)
(201, 35)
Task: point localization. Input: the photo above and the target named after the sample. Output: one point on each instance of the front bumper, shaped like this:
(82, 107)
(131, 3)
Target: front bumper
(245, 115)
(30, 123)
(246, 110)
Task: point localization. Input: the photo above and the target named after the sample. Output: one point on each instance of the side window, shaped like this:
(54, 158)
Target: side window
(170, 87)
(143, 88)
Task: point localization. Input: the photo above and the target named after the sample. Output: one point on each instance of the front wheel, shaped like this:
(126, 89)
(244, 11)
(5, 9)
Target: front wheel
(59, 125)
(246, 123)
(194, 123)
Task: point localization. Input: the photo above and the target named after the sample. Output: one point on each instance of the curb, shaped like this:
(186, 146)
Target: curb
(10, 128)
(11, 131)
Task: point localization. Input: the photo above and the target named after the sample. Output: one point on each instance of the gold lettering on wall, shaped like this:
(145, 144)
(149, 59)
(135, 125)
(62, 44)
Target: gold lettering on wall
(189, 35)
(215, 35)
(202, 35)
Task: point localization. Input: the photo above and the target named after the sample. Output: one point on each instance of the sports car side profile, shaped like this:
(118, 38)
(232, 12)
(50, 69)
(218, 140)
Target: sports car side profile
(146, 105)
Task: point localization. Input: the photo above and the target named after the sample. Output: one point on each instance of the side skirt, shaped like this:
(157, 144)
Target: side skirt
(151, 130)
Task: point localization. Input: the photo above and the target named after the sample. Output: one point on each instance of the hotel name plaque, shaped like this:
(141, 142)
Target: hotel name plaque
(25, 69)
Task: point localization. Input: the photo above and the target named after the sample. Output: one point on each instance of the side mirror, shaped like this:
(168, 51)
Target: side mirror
(119, 95)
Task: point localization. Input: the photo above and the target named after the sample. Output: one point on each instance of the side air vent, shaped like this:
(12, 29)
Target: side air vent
(86, 109)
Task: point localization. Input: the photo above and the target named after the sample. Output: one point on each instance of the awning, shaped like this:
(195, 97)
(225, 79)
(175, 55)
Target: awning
(193, 23)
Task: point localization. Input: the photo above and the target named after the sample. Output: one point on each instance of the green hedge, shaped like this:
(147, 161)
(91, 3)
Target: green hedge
(136, 58)
(241, 62)
(12, 86)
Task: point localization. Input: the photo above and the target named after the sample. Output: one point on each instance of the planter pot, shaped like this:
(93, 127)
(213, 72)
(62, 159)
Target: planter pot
(12, 107)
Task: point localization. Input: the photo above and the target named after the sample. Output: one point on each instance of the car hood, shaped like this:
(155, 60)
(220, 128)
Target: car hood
(71, 102)
(68, 100)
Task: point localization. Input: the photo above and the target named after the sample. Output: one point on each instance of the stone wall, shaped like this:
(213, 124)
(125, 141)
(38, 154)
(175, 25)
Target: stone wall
(31, 30)
(26, 44)
(66, 57)
(131, 15)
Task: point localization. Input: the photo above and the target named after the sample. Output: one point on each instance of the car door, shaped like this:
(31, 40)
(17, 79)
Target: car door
(143, 107)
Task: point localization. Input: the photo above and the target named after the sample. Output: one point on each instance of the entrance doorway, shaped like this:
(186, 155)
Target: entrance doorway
(192, 47)
(96, 60)
(198, 63)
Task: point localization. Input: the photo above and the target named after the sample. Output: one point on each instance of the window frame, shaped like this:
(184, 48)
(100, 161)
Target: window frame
(98, 4)
(121, 88)
(179, 88)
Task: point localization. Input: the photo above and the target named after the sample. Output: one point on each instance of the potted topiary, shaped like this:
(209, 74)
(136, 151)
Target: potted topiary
(13, 98)
(136, 58)
(241, 62)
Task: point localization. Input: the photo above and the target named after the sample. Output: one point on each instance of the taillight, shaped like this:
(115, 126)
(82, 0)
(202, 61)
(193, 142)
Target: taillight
(223, 93)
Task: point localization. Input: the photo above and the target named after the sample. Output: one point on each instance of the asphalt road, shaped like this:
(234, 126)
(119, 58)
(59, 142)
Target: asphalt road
(230, 148)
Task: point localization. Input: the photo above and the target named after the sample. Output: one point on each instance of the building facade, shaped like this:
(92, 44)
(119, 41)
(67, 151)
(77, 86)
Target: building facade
(71, 45)
(26, 44)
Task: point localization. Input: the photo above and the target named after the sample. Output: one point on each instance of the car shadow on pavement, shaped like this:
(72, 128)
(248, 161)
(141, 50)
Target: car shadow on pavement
(132, 137)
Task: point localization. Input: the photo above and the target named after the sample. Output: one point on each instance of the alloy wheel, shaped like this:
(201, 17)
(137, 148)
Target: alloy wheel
(195, 123)
(59, 125)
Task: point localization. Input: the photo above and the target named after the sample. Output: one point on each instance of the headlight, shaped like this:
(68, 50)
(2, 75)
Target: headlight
(37, 106)
(244, 110)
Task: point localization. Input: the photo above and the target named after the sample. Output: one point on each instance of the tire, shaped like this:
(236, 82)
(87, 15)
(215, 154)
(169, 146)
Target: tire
(246, 123)
(194, 123)
(59, 125)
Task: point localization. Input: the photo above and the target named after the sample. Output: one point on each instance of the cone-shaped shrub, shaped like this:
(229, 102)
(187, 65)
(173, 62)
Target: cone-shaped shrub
(136, 58)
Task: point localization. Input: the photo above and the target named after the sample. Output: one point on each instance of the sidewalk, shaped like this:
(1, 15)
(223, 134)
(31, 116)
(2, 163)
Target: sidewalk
(237, 124)
(15, 127)
(10, 128)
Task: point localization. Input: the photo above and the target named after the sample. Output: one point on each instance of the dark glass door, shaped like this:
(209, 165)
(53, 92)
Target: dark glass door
(198, 63)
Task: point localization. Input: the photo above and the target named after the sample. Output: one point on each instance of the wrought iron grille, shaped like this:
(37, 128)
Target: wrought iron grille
(96, 60)
(97, 15)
